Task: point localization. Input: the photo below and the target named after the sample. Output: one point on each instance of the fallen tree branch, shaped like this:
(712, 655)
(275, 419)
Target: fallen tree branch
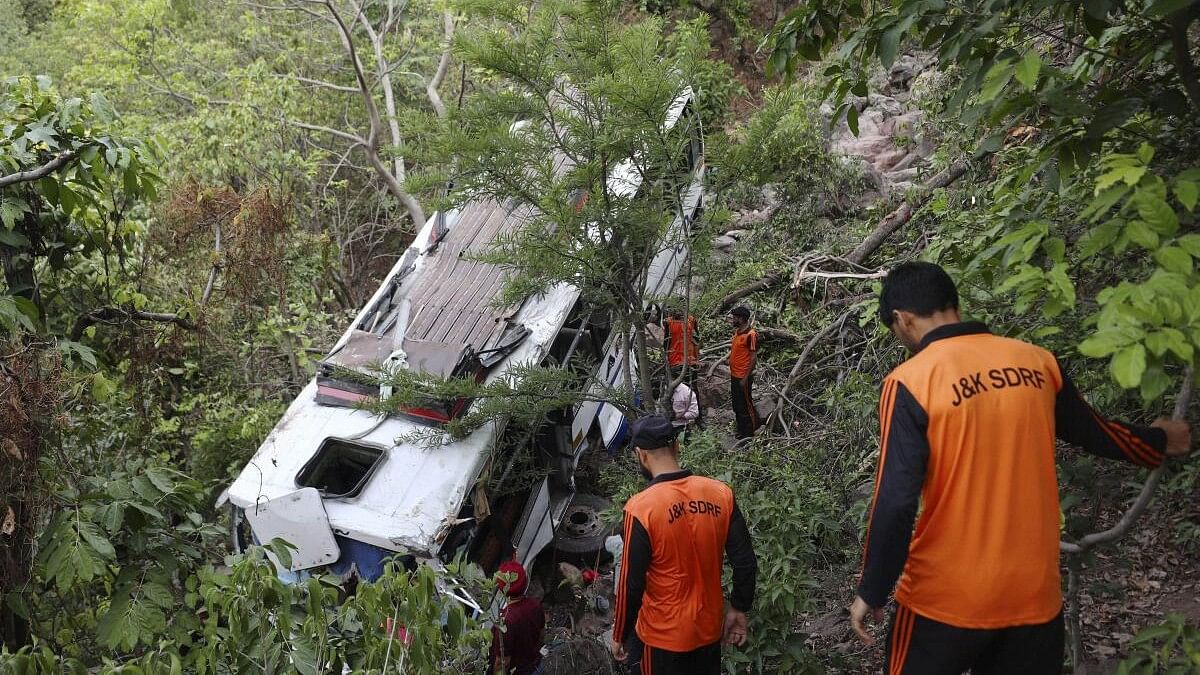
(778, 333)
(903, 213)
(812, 343)
(890, 223)
(114, 315)
(40, 172)
(762, 284)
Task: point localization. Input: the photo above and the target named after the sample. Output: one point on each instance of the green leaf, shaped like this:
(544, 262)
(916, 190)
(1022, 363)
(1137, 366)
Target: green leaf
(1157, 213)
(1028, 69)
(1154, 383)
(1190, 243)
(1187, 193)
(13, 239)
(1145, 152)
(1112, 116)
(10, 211)
(1141, 234)
(102, 387)
(162, 479)
(95, 538)
(1103, 202)
(889, 44)
(852, 119)
(1128, 365)
(1103, 343)
(1174, 259)
(1099, 238)
(997, 78)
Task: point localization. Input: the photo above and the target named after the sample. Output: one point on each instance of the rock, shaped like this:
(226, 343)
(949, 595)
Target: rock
(903, 174)
(886, 160)
(737, 235)
(867, 147)
(908, 162)
(924, 83)
(900, 188)
(764, 406)
(714, 390)
(887, 105)
(724, 242)
(904, 70)
(904, 124)
(749, 219)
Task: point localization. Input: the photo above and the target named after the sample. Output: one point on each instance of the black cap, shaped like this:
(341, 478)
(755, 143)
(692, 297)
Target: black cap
(651, 433)
(741, 311)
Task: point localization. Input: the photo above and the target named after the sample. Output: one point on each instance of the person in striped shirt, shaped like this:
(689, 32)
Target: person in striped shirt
(964, 521)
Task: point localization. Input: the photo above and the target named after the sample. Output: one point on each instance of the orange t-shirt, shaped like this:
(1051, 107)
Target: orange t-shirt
(984, 553)
(741, 352)
(688, 522)
(681, 336)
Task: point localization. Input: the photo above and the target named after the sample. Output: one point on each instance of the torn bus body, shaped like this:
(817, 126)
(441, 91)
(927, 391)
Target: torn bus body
(348, 489)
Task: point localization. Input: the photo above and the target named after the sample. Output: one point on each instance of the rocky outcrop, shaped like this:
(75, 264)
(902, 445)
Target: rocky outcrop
(890, 144)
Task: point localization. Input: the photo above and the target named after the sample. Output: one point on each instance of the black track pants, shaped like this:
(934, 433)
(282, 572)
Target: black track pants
(703, 661)
(743, 406)
(921, 646)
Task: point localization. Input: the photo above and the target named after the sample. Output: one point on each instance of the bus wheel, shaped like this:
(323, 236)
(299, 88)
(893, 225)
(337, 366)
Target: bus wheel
(582, 530)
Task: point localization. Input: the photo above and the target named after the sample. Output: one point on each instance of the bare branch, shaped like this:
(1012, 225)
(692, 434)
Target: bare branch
(115, 315)
(357, 140)
(431, 89)
(216, 266)
(40, 172)
(324, 84)
(372, 142)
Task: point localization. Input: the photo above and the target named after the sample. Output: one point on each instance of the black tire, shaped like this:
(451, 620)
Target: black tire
(582, 531)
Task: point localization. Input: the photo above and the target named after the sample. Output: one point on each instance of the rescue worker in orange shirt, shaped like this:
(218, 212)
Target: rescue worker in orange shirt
(671, 616)
(968, 428)
(679, 337)
(743, 350)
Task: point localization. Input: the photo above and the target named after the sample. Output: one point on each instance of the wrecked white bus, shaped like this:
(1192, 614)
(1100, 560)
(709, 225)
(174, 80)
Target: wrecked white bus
(348, 489)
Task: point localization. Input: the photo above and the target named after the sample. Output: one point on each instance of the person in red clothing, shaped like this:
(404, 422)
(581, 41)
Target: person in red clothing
(679, 338)
(671, 616)
(518, 650)
(968, 429)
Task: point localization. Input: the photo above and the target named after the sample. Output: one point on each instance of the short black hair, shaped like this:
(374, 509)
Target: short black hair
(918, 287)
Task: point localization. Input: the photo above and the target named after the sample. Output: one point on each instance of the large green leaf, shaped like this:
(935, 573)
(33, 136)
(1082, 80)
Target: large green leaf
(1103, 343)
(1028, 69)
(1174, 259)
(1187, 192)
(1157, 213)
(1128, 365)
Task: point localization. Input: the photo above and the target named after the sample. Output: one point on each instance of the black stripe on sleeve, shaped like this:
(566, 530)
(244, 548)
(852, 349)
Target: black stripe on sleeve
(904, 454)
(1079, 424)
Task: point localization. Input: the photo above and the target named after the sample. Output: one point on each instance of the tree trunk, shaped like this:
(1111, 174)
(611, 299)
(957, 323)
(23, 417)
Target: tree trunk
(626, 365)
(643, 360)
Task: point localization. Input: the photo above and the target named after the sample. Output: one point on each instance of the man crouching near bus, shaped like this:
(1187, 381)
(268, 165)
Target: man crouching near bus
(671, 615)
